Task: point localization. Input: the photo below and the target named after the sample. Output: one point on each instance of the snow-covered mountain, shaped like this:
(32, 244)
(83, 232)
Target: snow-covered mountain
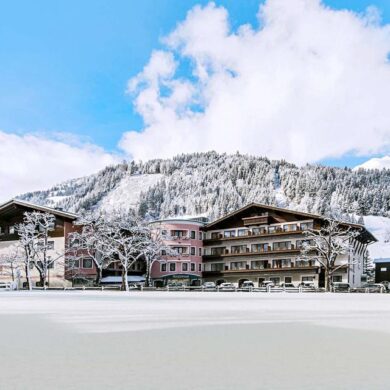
(213, 184)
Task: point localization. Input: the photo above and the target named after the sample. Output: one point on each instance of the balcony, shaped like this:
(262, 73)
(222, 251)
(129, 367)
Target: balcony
(279, 231)
(270, 251)
(269, 269)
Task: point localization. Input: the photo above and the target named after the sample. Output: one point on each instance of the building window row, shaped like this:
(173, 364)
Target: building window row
(268, 229)
(259, 265)
(258, 248)
(185, 267)
(183, 250)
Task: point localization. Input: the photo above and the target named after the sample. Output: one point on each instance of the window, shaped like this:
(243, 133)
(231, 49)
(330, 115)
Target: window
(50, 245)
(239, 249)
(290, 227)
(337, 278)
(306, 225)
(193, 234)
(172, 267)
(180, 250)
(73, 263)
(164, 233)
(259, 247)
(279, 246)
(163, 252)
(184, 267)
(163, 267)
(218, 251)
(215, 235)
(238, 265)
(260, 230)
(12, 230)
(178, 233)
(193, 251)
(287, 279)
(200, 251)
(200, 236)
(193, 267)
(242, 232)
(200, 267)
(281, 263)
(229, 233)
(307, 278)
(259, 264)
(217, 267)
(87, 263)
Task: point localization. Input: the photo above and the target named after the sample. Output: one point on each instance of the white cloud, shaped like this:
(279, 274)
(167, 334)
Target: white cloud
(310, 83)
(30, 162)
(376, 163)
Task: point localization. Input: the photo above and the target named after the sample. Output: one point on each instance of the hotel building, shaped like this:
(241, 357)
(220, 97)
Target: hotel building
(260, 243)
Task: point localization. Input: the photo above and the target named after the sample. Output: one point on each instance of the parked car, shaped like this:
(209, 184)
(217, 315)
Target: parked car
(307, 285)
(374, 287)
(5, 286)
(267, 283)
(209, 286)
(247, 286)
(227, 287)
(287, 285)
(341, 287)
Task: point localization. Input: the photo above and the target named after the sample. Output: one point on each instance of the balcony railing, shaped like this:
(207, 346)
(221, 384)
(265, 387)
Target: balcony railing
(226, 252)
(249, 234)
(268, 268)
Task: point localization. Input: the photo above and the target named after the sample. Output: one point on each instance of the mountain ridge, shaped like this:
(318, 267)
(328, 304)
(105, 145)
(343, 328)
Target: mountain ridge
(213, 184)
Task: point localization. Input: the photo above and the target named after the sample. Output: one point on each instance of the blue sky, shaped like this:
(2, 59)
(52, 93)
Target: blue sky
(64, 65)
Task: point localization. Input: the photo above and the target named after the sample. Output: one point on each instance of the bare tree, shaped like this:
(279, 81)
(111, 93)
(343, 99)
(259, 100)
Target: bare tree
(27, 234)
(11, 263)
(92, 240)
(328, 244)
(125, 239)
(34, 234)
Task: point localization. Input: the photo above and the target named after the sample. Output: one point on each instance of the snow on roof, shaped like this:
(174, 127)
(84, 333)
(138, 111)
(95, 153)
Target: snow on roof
(382, 260)
(51, 210)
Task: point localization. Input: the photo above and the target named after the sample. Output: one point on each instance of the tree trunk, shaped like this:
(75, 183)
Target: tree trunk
(147, 279)
(28, 278)
(125, 286)
(327, 280)
(98, 279)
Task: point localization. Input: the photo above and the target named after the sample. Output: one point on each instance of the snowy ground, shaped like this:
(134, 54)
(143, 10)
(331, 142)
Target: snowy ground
(178, 340)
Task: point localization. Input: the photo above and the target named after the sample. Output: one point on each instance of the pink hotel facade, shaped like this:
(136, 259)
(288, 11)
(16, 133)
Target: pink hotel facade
(183, 236)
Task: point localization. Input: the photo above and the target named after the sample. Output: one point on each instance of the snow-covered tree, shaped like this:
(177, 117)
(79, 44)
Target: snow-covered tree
(11, 263)
(91, 240)
(34, 234)
(126, 238)
(27, 235)
(327, 245)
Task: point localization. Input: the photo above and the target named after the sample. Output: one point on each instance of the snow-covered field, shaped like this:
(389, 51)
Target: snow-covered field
(182, 340)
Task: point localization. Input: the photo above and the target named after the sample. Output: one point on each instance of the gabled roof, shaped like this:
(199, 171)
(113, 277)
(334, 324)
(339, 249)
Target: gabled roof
(288, 211)
(45, 209)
